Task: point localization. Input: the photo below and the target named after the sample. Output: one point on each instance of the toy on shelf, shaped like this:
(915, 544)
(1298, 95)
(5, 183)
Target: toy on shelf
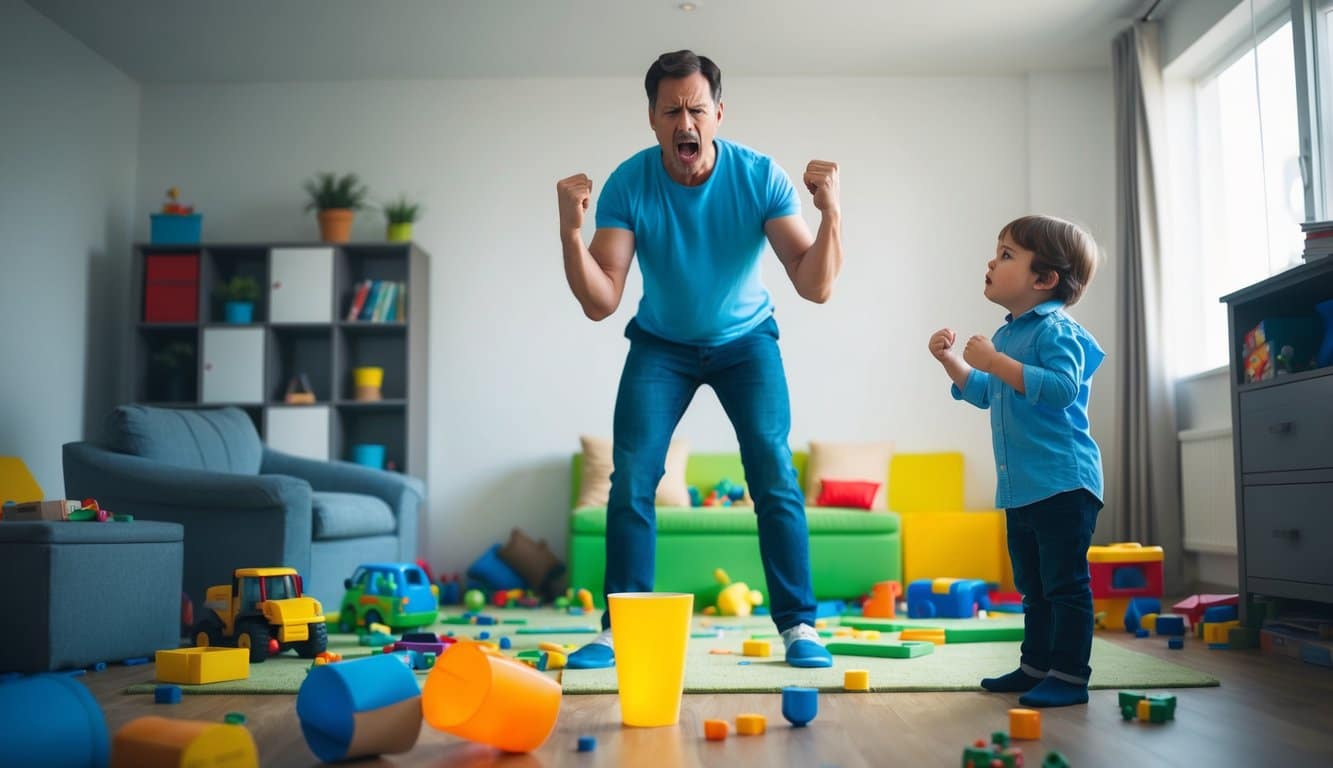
(398, 595)
(883, 602)
(264, 611)
(176, 223)
(946, 598)
(735, 599)
(1121, 572)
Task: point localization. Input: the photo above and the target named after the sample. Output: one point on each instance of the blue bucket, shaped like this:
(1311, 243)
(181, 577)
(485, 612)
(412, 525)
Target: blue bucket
(369, 455)
(241, 312)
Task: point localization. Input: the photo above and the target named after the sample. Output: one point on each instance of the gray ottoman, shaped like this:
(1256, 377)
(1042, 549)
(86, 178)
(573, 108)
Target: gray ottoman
(75, 594)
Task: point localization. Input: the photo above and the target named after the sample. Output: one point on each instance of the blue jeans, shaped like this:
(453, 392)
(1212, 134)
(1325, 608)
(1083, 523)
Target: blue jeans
(1048, 545)
(659, 380)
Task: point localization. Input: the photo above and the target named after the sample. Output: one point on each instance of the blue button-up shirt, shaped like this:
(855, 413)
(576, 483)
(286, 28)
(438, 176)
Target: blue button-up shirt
(1041, 438)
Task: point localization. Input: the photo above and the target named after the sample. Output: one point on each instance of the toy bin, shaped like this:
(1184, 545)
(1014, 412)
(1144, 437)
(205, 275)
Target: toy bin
(89, 592)
(173, 228)
(171, 288)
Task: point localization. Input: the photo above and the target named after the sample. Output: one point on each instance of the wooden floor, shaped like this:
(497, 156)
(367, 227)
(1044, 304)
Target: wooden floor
(1269, 711)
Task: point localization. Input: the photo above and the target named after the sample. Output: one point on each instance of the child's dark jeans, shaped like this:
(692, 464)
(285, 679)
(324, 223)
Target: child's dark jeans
(1048, 544)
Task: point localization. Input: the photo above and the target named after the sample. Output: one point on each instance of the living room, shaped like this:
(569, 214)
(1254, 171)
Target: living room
(945, 123)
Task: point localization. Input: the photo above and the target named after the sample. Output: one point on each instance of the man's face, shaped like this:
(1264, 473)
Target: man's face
(685, 120)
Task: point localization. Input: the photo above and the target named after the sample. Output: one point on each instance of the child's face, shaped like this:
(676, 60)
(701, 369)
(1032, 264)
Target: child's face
(1010, 281)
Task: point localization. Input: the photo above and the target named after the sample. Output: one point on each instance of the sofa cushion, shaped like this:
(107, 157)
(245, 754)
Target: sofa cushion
(848, 461)
(350, 515)
(593, 483)
(685, 520)
(214, 439)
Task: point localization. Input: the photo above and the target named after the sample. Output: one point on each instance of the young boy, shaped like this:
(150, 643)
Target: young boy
(1035, 376)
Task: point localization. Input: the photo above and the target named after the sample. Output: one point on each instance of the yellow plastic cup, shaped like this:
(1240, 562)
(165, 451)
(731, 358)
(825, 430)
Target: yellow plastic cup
(490, 699)
(650, 631)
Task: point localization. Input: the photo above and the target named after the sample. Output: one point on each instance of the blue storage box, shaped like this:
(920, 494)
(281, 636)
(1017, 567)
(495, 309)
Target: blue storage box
(174, 228)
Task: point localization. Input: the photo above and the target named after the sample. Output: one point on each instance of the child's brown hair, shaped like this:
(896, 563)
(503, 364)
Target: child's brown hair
(1060, 247)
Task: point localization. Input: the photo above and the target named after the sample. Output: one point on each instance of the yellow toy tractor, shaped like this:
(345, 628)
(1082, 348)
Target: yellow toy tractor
(263, 610)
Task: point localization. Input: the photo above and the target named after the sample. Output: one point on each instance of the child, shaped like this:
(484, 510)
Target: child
(1035, 377)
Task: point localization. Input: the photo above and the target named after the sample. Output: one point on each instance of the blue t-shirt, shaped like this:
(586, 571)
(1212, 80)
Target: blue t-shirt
(699, 247)
(1041, 438)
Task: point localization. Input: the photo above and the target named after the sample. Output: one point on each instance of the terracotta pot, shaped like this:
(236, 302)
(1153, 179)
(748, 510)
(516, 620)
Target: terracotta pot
(335, 225)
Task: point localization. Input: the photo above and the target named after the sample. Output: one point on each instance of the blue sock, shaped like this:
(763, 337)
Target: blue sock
(1014, 682)
(1054, 692)
(592, 656)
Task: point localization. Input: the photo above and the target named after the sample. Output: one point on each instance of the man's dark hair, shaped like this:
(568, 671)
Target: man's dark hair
(680, 64)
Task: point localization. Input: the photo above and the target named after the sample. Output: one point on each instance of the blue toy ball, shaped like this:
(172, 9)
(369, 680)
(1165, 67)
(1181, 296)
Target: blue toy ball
(736, 493)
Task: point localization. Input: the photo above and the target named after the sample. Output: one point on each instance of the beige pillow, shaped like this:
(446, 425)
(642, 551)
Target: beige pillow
(595, 486)
(848, 461)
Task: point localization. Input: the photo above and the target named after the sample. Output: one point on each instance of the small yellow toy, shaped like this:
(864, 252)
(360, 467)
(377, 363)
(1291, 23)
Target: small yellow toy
(735, 599)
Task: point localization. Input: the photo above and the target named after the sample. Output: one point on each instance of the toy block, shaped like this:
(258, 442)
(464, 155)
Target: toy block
(1148, 622)
(1194, 606)
(1141, 632)
(1131, 698)
(982, 634)
(799, 705)
(966, 544)
(1025, 724)
(977, 756)
(905, 650)
(587, 743)
(1000, 739)
(1055, 760)
(749, 724)
(946, 598)
(234, 718)
(1170, 624)
(1175, 643)
(1218, 633)
(200, 666)
(856, 680)
(821, 623)
(866, 634)
(756, 648)
(716, 730)
(167, 694)
(1137, 608)
(925, 482)
(162, 741)
(1219, 614)
(883, 600)
(924, 635)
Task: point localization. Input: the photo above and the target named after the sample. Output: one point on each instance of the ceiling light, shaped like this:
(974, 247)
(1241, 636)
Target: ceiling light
(687, 7)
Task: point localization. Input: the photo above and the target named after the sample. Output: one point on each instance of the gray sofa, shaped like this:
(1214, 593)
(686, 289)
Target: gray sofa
(243, 504)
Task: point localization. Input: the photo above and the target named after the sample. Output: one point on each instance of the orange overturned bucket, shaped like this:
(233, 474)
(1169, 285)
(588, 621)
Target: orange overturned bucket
(490, 699)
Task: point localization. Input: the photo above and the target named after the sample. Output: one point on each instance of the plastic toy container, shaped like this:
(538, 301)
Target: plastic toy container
(490, 699)
(172, 228)
(361, 708)
(651, 632)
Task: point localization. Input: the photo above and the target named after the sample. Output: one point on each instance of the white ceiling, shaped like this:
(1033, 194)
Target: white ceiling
(160, 41)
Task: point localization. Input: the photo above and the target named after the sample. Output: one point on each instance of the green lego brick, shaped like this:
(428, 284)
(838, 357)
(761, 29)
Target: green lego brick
(976, 757)
(907, 650)
(1000, 739)
(1055, 760)
(883, 625)
(983, 634)
(1132, 698)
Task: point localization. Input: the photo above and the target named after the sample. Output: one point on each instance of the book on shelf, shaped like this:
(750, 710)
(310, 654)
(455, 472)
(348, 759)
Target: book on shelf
(1318, 239)
(378, 301)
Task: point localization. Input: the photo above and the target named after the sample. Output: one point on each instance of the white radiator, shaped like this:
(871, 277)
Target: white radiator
(1208, 490)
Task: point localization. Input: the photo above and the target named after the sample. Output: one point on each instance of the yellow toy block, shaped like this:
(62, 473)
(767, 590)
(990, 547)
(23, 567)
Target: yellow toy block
(958, 544)
(856, 680)
(749, 724)
(1024, 724)
(843, 632)
(1125, 552)
(756, 648)
(1148, 621)
(200, 666)
(1114, 610)
(920, 482)
(16, 483)
(922, 635)
(157, 741)
(1218, 632)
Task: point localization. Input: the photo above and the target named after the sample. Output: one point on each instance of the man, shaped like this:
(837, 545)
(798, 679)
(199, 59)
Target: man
(697, 209)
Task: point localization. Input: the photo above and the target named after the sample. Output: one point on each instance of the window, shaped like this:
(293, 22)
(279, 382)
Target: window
(1249, 198)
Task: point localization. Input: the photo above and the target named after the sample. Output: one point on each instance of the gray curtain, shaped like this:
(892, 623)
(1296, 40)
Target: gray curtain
(1147, 490)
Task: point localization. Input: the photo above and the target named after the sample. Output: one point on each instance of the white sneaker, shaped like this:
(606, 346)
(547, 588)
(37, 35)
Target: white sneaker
(800, 632)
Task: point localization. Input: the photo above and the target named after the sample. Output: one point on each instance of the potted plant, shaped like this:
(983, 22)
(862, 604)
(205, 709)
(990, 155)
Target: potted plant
(401, 214)
(238, 296)
(173, 367)
(337, 198)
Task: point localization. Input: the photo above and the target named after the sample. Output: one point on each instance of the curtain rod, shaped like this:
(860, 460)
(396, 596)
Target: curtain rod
(1147, 15)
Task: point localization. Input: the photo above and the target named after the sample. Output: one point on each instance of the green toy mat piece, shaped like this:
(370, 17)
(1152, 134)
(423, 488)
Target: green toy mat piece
(908, 650)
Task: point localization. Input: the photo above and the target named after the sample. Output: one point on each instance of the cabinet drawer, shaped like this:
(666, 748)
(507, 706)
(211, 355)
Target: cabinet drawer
(1287, 427)
(1289, 531)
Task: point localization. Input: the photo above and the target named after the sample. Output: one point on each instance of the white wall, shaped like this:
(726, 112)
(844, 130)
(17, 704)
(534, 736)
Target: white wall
(931, 169)
(68, 134)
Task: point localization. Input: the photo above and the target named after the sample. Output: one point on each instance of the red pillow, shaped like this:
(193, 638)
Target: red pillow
(857, 494)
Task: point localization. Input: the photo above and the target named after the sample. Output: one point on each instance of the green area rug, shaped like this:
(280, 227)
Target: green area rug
(950, 667)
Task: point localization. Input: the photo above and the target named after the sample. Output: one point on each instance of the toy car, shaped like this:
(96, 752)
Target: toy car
(397, 595)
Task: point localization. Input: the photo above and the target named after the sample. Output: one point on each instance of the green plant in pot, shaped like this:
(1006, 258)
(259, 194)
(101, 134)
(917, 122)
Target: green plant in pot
(173, 370)
(401, 214)
(337, 198)
(238, 296)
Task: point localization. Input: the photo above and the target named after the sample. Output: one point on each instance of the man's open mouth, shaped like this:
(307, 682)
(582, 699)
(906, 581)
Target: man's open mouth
(687, 151)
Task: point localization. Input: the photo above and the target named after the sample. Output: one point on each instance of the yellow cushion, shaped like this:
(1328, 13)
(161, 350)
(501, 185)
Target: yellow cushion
(848, 461)
(961, 545)
(923, 481)
(595, 487)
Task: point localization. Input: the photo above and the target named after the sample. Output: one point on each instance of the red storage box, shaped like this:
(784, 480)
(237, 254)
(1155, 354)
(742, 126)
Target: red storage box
(171, 288)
